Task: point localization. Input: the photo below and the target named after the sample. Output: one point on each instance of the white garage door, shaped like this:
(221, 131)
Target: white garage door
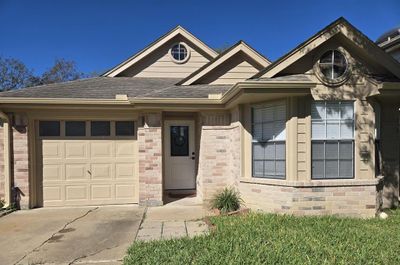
(87, 170)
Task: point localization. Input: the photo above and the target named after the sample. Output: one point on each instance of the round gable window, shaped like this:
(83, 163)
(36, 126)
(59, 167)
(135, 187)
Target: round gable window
(333, 67)
(179, 52)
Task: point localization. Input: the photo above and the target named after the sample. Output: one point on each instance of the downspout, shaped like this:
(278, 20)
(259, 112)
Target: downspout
(7, 158)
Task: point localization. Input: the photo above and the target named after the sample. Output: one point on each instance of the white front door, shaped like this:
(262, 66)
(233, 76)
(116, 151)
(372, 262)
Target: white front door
(179, 155)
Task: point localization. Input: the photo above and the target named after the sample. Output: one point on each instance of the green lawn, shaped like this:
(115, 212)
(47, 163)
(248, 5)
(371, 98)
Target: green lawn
(275, 239)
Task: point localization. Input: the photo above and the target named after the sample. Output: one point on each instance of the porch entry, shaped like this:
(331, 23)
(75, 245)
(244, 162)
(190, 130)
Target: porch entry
(179, 154)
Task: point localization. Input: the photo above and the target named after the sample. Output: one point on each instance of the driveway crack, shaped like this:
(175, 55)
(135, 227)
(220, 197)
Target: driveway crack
(92, 254)
(47, 240)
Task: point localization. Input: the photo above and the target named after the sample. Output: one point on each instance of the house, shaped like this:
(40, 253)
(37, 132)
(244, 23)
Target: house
(390, 42)
(315, 132)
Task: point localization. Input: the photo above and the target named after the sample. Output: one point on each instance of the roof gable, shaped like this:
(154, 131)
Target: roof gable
(178, 34)
(241, 62)
(340, 28)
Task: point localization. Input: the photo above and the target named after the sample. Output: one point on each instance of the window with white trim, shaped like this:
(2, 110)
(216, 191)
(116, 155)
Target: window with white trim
(332, 139)
(269, 140)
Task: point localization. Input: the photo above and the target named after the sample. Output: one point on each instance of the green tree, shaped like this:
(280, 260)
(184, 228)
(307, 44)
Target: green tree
(61, 71)
(14, 74)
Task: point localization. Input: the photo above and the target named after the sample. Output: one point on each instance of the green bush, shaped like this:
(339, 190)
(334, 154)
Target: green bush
(227, 200)
(2, 203)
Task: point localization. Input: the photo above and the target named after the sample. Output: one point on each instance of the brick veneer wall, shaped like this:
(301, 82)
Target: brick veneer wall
(219, 159)
(150, 161)
(355, 200)
(21, 163)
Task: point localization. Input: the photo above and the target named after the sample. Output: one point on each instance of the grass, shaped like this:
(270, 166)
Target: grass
(277, 239)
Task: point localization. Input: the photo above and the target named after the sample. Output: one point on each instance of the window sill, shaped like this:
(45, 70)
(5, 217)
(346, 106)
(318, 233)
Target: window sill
(312, 183)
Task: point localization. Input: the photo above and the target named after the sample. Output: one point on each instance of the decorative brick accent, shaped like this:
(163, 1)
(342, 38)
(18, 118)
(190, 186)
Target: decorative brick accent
(349, 200)
(150, 160)
(21, 164)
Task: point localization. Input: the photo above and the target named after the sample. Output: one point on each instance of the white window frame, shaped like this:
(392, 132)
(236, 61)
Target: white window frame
(338, 140)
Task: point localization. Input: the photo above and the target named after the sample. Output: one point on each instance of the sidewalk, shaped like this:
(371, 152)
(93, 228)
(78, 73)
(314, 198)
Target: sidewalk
(174, 220)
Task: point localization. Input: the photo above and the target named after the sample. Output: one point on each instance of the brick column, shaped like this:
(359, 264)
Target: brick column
(150, 160)
(219, 158)
(21, 165)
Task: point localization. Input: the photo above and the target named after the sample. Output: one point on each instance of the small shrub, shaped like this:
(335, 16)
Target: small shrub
(2, 203)
(227, 200)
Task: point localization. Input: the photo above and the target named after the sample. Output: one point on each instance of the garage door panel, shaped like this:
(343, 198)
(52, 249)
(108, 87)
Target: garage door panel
(101, 149)
(52, 193)
(76, 192)
(89, 171)
(76, 150)
(101, 171)
(76, 172)
(52, 172)
(101, 192)
(124, 191)
(52, 150)
(124, 170)
(125, 148)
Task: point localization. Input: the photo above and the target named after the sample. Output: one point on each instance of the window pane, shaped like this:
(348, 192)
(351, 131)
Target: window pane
(280, 152)
(179, 140)
(75, 128)
(258, 151)
(318, 110)
(258, 168)
(346, 170)
(332, 130)
(257, 132)
(100, 128)
(280, 168)
(346, 150)
(347, 110)
(49, 128)
(326, 70)
(331, 169)
(269, 151)
(318, 169)
(326, 57)
(269, 168)
(268, 114)
(280, 112)
(346, 130)
(257, 115)
(124, 128)
(268, 131)
(331, 150)
(279, 130)
(332, 110)
(318, 151)
(318, 130)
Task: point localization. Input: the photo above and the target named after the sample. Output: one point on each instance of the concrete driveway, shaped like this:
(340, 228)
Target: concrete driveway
(90, 235)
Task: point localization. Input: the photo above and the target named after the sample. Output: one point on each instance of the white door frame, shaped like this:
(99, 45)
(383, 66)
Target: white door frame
(179, 171)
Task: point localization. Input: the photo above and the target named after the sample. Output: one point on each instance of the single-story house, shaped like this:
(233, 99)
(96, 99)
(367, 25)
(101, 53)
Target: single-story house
(315, 132)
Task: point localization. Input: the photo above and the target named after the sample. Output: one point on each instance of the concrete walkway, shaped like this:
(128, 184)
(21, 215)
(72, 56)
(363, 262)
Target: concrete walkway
(174, 220)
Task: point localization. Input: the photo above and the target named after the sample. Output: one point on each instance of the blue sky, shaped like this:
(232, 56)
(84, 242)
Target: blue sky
(100, 34)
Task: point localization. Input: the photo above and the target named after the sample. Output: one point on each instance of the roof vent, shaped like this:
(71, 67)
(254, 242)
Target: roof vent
(121, 97)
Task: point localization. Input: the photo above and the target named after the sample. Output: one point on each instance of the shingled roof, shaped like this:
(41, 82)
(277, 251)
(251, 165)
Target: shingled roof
(109, 87)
